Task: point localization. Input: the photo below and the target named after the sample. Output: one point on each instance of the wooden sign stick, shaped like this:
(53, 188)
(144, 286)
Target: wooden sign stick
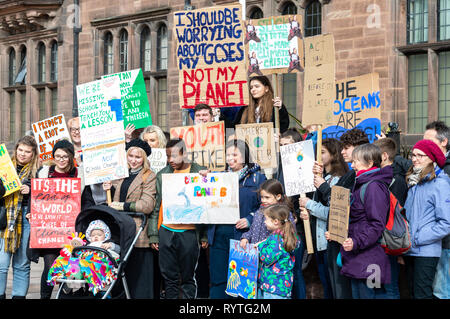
(108, 196)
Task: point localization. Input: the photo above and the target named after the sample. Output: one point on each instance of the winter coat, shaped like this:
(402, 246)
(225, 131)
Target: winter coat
(284, 117)
(367, 222)
(428, 213)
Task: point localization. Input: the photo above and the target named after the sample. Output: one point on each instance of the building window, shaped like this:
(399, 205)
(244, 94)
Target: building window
(42, 112)
(417, 93)
(256, 13)
(12, 115)
(23, 112)
(54, 101)
(146, 47)
(22, 74)
(313, 19)
(444, 20)
(162, 104)
(417, 21)
(123, 50)
(41, 62)
(54, 62)
(444, 87)
(12, 67)
(289, 8)
(108, 54)
(161, 48)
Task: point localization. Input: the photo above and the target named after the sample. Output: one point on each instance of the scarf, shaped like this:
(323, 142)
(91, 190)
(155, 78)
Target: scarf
(414, 178)
(13, 204)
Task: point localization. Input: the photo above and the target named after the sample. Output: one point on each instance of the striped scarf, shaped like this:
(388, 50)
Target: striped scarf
(13, 204)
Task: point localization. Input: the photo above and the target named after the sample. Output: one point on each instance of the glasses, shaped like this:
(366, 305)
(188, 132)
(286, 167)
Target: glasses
(61, 158)
(418, 156)
(75, 129)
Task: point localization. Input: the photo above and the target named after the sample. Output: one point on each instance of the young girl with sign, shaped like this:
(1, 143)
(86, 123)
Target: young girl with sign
(14, 238)
(261, 107)
(276, 254)
(271, 192)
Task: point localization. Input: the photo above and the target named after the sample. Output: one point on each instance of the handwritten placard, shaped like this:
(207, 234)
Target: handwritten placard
(195, 199)
(205, 143)
(55, 205)
(274, 45)
(242, 270)
(157, 159)
(47, 132)
(8, 173)
(298, 161)
(210, 57)
(339, 213)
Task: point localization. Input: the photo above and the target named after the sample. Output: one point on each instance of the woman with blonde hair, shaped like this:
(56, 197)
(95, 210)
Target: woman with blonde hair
(14, 238)
(137, 193)
(154, 136)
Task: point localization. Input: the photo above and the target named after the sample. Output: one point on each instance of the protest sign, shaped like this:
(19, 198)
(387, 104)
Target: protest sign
(195, 199)
(133, 97)
(8, 173)
(242, 270)
(54, 207)
(274, 45)
(357, 105)
(319, 88)
(210, 57)
(205, 143)
(298, 161)
(261, 142)
(102, 131)
(157, 159)
(339, 213)
(47, 132)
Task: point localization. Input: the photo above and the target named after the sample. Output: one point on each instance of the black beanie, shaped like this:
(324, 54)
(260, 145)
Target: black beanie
(63, 144)
(141, 144)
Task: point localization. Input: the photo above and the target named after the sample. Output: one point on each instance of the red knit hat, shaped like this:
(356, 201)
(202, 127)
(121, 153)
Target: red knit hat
(432, 150)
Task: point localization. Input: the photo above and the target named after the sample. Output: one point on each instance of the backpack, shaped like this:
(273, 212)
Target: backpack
(395, 238)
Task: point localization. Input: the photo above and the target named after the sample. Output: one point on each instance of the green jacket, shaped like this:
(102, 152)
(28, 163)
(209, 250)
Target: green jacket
(152, 229)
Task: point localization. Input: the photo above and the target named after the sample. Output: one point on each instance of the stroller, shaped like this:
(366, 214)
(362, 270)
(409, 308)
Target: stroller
(123, 231)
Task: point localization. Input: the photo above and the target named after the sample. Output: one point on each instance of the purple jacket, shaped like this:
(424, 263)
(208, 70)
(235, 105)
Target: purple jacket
(367, 222)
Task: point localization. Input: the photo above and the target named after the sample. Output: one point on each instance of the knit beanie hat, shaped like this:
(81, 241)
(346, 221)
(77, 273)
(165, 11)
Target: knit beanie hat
(432, 150)
(63, 144)
(98, 224)
(141, 144)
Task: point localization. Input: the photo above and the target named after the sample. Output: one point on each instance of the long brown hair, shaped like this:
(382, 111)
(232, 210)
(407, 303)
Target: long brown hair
(338, 165)
(265, 103)
(429, 169)
(28, 140)
(281, 212)
(274, 187)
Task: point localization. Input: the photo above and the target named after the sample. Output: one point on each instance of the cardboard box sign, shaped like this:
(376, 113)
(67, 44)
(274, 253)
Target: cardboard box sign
(339, 213)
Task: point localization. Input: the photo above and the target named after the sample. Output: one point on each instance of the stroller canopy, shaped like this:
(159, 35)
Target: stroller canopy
(121, 225)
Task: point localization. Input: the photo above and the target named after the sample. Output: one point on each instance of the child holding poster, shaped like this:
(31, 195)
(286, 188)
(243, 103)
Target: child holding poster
(276, 255)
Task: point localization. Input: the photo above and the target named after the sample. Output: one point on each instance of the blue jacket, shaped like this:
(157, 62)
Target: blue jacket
(249, 201)
(428, 212)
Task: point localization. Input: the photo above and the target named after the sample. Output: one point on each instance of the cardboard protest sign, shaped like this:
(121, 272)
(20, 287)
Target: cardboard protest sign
(274, 45)
(157, 159)
(319, 88)
(261, 142)
(133, 96)
(205, 143)
(47, 132)
(357, 104)
(194, 199)
(338, 217)
(55, 205)
(210, 57)
(8, 173)
(102, 131)
(242, 270)
(298, 161)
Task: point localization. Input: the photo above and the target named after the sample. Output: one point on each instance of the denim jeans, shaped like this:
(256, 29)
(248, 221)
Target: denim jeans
(392, 290)
(267, 295)
(299, 285)
(20, 263)
(360, 290)
(441, 284)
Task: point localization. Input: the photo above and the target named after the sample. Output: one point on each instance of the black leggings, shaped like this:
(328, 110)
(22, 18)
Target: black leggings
(49, 258)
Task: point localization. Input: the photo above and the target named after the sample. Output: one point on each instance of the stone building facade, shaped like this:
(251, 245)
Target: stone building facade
(406, 41)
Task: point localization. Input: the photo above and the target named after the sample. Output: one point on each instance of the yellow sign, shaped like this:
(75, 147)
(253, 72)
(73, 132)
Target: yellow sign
(8, 173)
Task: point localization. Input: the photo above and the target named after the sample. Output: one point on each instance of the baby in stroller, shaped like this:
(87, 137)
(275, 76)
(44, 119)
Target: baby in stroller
(87, 266)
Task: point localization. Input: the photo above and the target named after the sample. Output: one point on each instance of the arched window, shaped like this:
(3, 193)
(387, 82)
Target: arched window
(12, 66)
(41, 62)
(161, 48)
(289, 8)
(54, 62)
(256, 13)
(22, 74)
(146, 47)
(313, 18)
(123, 50)
(108, 54)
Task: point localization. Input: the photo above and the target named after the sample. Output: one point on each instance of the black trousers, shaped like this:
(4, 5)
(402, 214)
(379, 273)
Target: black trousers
(420, 272)
(49, 256)
(340, 285)
(178, 256)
